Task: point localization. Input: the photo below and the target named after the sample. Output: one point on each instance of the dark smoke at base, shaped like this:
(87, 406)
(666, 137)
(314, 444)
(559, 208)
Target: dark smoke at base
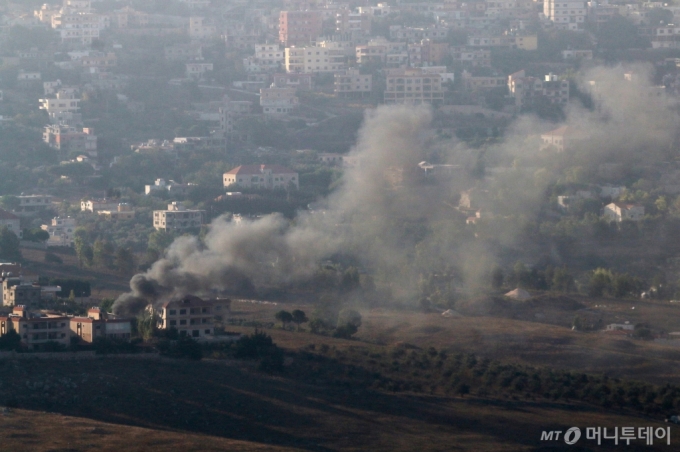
(272, 251)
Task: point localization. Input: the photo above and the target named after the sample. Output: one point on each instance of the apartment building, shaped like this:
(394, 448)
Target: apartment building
(427, 52)
(201, 28)
(177, 217)
(314, 59)
(183, 52)
(525, 89)
(278, 101)
(93, 205)
(512, 41)
(261, 176)
(197, 69)
(268, 57)
(99, 324)
(64, 107)
(474, 83)
(36, 329)
(78, 27)
(380, 50)
(61, 231)
(296, 80)
(123, 211)
(18, 291)
(566, 14)
(413, 86)
(353, 20)
(10, 221)
(299, 27)
(69, 139)
(192, 316)
(402, 33)
(229, 113)
(31, 204)
(473, 57)
(351, 83)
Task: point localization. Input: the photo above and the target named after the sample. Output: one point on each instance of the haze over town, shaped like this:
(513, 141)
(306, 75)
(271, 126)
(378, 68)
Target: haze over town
(259, 225)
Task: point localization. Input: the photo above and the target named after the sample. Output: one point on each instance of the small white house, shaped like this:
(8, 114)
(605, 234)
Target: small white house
(618, 212)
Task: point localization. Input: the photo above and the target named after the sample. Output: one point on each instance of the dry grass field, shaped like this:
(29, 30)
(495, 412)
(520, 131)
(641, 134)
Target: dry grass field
(119, 404)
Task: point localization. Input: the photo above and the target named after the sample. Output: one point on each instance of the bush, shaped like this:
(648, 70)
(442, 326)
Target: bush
(260, 346)
(183, 348)
(10, 341)
(345, 331)
(53, 258)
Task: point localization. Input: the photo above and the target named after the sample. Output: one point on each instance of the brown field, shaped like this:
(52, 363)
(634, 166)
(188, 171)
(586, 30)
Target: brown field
(515, 339)
(211, 405)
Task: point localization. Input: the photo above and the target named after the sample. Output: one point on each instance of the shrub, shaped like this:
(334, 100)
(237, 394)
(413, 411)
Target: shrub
(53, 258)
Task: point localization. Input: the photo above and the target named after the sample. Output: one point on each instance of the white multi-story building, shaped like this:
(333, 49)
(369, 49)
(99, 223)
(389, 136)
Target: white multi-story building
(413, 86)
(93, 205)
(201, 29)
(314, 59)
(61, 231)
(64, 107)
(69, 139)
(268, 57)
(352, 83)
(261, 176)
(30, 204)
(78, 26)
(566, 14)
(196, 69)
(230, 111)
(524, 89)
(177, 217)
(278, 101)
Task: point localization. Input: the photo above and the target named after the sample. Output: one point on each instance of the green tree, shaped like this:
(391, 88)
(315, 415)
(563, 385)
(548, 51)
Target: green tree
(9, 202)
(159, 241)
(146, 325)
(107, 304)
(35, 235)
(562, 280)
(124, 260)
(299, 317)
(10, 341)
(102, 254)
(83, 251)
(9, 245)
(284, 317)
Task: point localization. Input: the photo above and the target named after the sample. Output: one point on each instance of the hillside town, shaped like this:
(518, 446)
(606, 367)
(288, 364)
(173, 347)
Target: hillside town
(365, 202)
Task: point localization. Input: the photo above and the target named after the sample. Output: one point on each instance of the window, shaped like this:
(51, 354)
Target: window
(182, 322)
(182, 312)
(173, 322)
(172, 312)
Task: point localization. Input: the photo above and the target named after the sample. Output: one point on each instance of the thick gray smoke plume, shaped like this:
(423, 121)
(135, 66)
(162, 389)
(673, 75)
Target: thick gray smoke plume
(272, 251)
(371, 215)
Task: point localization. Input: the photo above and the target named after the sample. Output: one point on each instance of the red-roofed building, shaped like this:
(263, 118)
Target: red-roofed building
(11, 221)
(261, 176)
